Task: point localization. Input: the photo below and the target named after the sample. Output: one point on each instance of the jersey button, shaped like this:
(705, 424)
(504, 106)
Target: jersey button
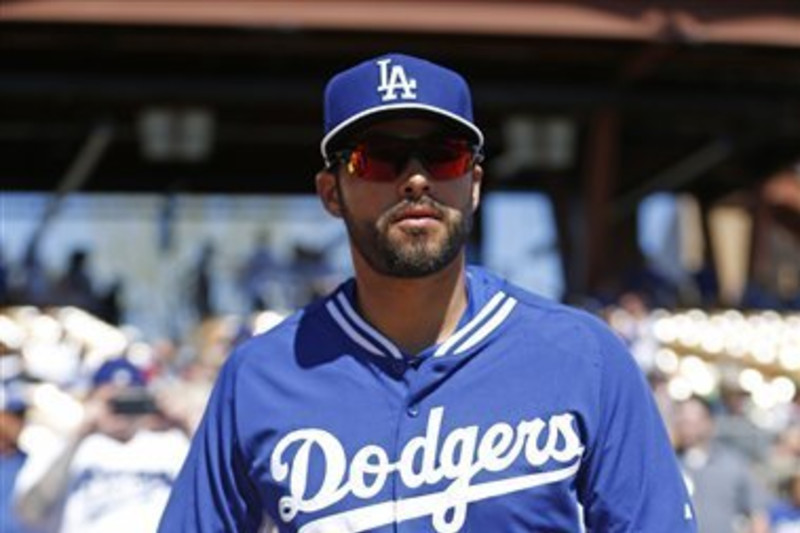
(413, 410)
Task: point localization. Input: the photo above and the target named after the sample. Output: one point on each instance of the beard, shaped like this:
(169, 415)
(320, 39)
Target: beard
(410, 252)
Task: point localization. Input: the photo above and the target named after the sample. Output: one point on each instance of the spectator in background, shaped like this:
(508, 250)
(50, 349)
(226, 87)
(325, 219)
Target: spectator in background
(258, 271)
(12, 458)
(784, 515)
(109, 303)
(724, 491)
(35, 288)
(114, 474)
(310, 269)
(659, 385)
(631, 320)
(4, 292)
(783, 456)
(75, 285)
(734, 427)
(202, 289)
(705, 279)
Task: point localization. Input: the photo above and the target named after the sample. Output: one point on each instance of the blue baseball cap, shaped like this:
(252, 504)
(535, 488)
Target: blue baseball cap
(395, 85)
(119, 371)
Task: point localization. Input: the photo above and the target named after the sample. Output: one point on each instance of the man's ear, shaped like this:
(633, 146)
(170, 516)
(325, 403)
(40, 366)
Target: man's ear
(328, 192)
(477, 179)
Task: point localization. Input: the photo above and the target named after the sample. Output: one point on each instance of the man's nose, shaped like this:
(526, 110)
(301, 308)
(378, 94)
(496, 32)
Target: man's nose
(415, 181)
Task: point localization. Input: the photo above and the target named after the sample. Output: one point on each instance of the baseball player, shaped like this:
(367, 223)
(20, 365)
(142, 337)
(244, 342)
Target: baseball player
(114, 472)
(424, 395)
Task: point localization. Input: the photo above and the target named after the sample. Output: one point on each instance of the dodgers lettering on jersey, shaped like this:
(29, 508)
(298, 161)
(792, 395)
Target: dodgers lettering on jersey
(530, 417)
(459, 458)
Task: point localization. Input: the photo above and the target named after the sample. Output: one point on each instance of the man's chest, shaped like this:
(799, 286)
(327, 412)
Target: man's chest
(416, 453)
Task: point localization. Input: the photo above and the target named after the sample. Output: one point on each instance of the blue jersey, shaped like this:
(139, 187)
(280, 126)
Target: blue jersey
(784, 517)
(531, 417)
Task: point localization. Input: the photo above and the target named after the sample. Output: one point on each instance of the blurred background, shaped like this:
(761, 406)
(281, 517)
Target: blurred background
(643, 162)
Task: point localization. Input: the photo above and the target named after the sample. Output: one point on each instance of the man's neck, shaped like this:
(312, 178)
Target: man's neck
(414, 313)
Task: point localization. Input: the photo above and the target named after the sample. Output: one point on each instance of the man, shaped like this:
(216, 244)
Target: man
(423, 395)
(784, 514)
(115, 472)
(13, 408)
(725, 492)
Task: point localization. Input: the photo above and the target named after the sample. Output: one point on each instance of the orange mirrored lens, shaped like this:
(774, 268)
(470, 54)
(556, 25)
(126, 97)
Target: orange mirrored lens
(382, 159)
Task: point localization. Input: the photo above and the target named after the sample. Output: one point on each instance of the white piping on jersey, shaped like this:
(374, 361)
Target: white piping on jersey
(352, 333)
(436, 504)
(366, 336)
(455, 337)
(488, 327)
(352, 315)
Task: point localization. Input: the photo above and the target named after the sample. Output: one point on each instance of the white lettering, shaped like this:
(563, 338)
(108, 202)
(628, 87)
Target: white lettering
(362, 466)
(495, 442)
(395, 79)
(427, 446)
(459, 443)
(533, 429)
(461, 456)
(561, 430)
(335, 462)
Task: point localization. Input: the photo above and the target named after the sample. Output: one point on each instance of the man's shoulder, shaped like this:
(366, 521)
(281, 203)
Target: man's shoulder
(539, 310)
(564, 329)
(306, 331)
(280, 334)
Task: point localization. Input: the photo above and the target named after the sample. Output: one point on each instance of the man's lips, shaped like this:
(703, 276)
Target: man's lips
(417, 213)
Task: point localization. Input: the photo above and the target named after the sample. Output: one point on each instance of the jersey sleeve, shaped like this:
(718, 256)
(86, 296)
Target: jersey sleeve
(213, 492)
(630, 480)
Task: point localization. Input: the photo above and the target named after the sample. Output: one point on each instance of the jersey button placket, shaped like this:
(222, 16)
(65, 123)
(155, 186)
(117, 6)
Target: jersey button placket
(412, 424)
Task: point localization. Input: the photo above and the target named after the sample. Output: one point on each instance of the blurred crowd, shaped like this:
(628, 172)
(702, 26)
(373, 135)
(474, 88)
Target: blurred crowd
(29, 282)
(259, 280)
(725, 384)
(96, 420)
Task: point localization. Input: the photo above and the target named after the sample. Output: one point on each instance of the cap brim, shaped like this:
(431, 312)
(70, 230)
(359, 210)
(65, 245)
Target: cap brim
(346, 128)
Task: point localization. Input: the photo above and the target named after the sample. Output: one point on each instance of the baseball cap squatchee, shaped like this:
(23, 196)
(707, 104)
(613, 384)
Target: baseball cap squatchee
(395, 85)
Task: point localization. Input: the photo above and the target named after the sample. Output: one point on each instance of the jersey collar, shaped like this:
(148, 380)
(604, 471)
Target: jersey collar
(488, 308)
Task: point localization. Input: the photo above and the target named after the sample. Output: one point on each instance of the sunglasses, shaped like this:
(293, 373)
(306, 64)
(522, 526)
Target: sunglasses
(382, 158)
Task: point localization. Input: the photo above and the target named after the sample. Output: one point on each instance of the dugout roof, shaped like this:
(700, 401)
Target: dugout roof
(714, 85)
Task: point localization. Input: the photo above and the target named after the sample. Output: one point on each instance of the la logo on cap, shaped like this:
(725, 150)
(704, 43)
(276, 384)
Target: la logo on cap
(393, 79)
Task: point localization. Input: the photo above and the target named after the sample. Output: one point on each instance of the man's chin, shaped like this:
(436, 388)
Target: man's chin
(417, 263)
(417, 253)
(413, 270)
(410, 234)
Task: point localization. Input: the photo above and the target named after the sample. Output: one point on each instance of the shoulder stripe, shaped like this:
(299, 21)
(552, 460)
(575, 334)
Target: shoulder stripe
(488, 327)
(375, 334)
(350, 331)
(477, 319)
